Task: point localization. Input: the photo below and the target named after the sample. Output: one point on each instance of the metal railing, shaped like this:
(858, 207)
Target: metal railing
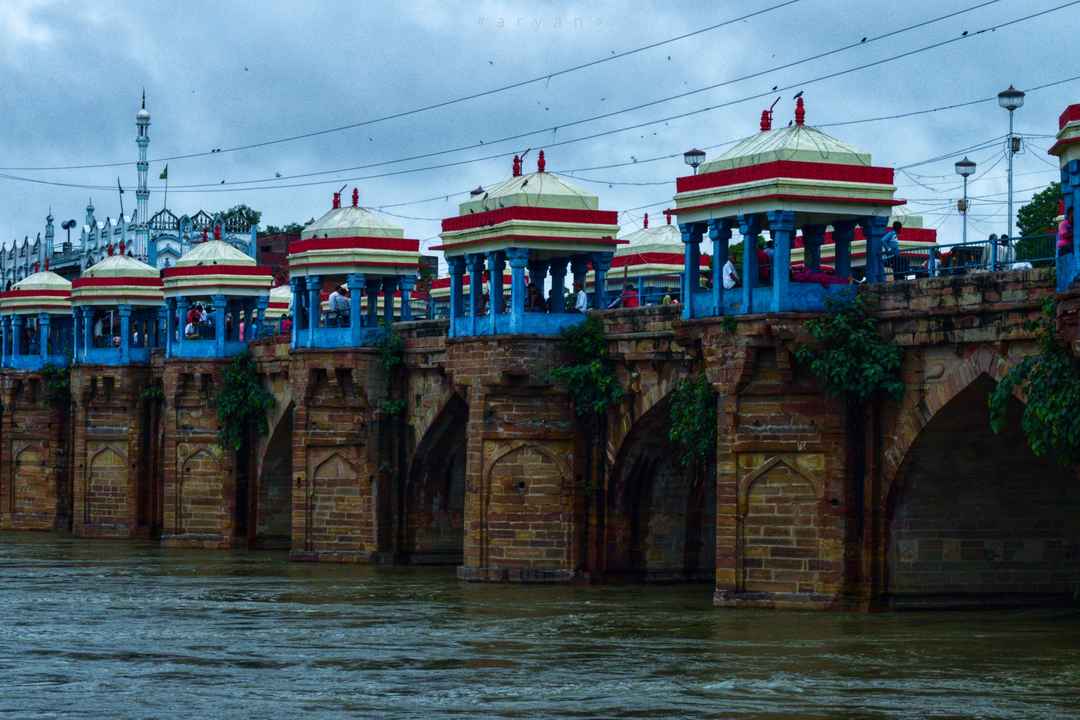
(1024, 253)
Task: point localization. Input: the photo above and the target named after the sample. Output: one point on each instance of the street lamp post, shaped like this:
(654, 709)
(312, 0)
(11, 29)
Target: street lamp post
(965, 168)
(694, 157)
(1010, 99)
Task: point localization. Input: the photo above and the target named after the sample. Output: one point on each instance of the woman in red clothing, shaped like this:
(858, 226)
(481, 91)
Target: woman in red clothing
(630, 296)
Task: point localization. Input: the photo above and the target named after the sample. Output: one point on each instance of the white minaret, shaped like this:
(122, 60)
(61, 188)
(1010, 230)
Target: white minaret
(142, 195)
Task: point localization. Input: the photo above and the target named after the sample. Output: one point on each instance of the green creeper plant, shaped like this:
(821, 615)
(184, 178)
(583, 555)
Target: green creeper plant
(391, 347)
(1050, 379)
(589, 376)
(242, 403)
(848, 356)
(693, 419)
(57, 383)
(393, 408)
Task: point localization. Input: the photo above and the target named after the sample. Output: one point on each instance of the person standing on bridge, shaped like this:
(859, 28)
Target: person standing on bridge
(890, 248)
(581, 300)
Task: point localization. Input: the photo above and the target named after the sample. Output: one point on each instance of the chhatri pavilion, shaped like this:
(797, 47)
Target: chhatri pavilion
(233, 292)
(118, 306)
(35, 322)
(795, 178)
(538, 221)
(1067, 150)
(354, 248)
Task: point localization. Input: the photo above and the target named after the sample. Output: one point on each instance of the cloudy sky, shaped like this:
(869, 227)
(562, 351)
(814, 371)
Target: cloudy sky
(225, 74)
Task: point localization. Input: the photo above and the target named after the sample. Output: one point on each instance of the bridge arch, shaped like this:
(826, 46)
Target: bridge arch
(660, 517)
(434, 509)
(271, 516)
(970, 515)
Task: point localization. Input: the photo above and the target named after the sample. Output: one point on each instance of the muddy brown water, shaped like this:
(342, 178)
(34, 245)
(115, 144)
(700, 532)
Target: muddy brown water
(117, 629)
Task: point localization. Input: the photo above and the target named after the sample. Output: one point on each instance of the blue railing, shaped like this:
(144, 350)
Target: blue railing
(945, 260)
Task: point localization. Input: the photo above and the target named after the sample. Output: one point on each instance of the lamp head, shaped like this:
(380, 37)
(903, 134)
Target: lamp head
(694, 157)
(1011, 98)
(965, 167)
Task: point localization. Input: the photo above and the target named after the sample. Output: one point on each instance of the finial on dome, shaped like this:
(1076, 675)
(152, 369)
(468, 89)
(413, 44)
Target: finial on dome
(356, 197)
(108, 249)
(143, 99)
(800, 112)
(217, 231)
(205, 236)
(46, 264)
(36, 267)
(122, 248)
(667, 215)
(541, 163)
(646, 221)
(766, 120)
(336, 202)
(517, 166)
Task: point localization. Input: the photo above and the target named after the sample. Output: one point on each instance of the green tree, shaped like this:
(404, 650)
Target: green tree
(1034, 221)
(243, 212)
(1051, 382)
(242, 403)
(1037, 217)
(693, 420)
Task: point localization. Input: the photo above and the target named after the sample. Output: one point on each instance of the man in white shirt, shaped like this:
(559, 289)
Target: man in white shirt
(581, 300)
(730, 277)
(339, 305)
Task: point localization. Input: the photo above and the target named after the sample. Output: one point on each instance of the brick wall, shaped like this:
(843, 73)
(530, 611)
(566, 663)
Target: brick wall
(35, 480)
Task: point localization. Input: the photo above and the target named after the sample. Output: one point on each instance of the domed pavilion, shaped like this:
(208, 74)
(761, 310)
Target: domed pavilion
(784, 180)
(118, 306)
(35, 322)
(538, 221)
(216, 297)
(1066, 149)
(353, 249)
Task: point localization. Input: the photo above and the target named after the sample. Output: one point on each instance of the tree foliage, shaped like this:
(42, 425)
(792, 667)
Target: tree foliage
(1051, 381)
(292, 228)
(57, 383)
(589, 376)
(1037, 217)
(693, 419)
(848, 356)
(242, 403)
(243, 212)
(391, 347)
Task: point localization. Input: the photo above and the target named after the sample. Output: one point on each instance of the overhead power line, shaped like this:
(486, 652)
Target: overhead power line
(443, 103)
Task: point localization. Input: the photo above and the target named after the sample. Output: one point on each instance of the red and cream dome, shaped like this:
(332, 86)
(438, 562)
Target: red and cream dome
(540, 211)
(41, 292)
(1067, 145)
(353, 240)
(215, 267)
(280, 301)
(118, 280)
(796, 168)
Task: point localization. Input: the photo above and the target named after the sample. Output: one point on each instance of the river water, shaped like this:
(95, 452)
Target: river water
(116, 629)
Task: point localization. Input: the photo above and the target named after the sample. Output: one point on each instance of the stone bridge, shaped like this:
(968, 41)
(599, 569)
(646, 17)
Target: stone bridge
(468, 456)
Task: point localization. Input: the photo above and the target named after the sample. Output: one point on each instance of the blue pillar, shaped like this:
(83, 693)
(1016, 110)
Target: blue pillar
(389, 285)
(357, 282)
(314, 285)
(125, 333)
(457, 269)
(843, 233)
(601, 264)
(296, 285)
(558, 285)
(873, 229)
(16, 335)
(691, 279)
(162, 336)
(219, 325)
(782, 229)
(813, 237)
(518, 259)
(495, 265)
(43, 337)
(261, 304)
(181, 317)
(408, 282)
(476, 287)
(76, 314)
(720, 234)
(3, 340)
(749, 227)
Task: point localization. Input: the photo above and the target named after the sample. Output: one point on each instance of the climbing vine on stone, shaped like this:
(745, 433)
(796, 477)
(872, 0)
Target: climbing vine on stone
(848, 356)
(693, 420)
(57, 383)
(1051, 381)
(589, 377)
(391, 347)
(242, 403)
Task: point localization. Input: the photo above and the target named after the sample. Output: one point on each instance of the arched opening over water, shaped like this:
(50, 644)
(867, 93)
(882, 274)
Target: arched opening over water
(660, 520)
(272, 507)
(976, 517)
(434, 522)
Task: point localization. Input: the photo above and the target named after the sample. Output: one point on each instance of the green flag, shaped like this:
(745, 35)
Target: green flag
(164, 174)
